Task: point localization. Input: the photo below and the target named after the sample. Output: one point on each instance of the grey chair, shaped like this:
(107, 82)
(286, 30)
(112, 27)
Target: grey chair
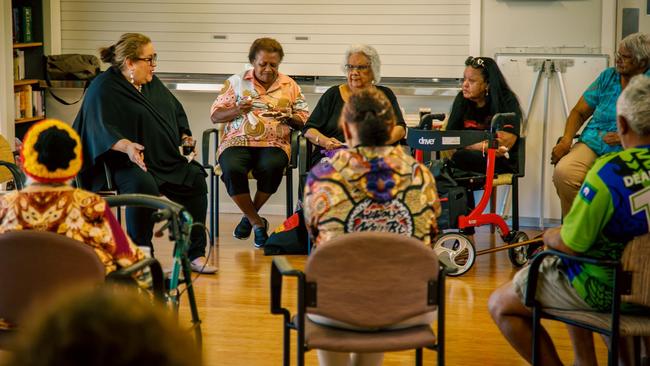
(370, 280)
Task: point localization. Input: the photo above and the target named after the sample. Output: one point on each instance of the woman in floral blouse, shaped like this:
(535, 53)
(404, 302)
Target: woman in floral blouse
(259, 107)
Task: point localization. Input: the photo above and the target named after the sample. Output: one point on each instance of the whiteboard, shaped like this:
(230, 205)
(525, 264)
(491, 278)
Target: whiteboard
(521, 77)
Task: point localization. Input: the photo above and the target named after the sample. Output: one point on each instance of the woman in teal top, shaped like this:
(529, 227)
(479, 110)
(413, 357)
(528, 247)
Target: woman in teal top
(598, 102)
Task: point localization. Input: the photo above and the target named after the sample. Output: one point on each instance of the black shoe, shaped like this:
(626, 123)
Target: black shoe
(260, 234)
(243, 229)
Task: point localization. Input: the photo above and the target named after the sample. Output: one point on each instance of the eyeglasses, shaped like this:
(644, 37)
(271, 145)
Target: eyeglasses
(475, 62)
(349, 67)
(623, 57)
(152, 61)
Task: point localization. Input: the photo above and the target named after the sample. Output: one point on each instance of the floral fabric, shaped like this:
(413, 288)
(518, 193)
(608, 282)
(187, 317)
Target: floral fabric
(371, 189)
(75, 213)
(254, 129)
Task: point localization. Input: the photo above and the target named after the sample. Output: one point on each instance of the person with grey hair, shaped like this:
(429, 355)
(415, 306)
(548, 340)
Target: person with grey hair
(362, 68)
(598, 102)
(599, 225)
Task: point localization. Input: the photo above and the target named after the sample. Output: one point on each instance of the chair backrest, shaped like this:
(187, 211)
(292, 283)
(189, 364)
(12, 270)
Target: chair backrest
(636, 261)
(372, 279)
(35, 265)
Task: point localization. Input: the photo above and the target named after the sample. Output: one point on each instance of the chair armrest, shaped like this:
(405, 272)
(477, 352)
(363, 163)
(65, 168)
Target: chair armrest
(280, 268)
(295, 149)
(126, 275)
(205, 146)
(533, 271)
(16, 173)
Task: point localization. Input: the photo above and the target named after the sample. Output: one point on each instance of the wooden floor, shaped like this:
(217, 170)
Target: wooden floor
(238, 328)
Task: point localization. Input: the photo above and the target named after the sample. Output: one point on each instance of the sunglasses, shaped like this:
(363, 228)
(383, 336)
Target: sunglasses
(475, 62)
(152, 61)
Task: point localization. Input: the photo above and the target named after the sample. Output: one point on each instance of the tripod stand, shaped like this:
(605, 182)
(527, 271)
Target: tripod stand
(546, 68)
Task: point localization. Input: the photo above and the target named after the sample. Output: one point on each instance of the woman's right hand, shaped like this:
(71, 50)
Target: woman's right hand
(331, 143)
(244, 105)
(136, 154)
(562, 148)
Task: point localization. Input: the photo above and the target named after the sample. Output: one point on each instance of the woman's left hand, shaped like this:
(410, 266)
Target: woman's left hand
(506, 139)
(611, 139)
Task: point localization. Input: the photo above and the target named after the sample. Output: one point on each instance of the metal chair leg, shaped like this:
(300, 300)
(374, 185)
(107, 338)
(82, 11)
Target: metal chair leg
(418, 357)
(289, 177)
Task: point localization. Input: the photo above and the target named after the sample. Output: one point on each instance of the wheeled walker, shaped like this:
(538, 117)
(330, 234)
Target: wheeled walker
(458, 247)
(178, 222)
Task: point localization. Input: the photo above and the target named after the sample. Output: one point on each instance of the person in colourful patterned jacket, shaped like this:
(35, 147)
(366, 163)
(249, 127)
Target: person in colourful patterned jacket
(611, 208)
(51, 156)
(259, 107)
(370, 186)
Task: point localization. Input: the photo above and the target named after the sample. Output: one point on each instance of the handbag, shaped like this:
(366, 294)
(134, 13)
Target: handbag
(71, 67)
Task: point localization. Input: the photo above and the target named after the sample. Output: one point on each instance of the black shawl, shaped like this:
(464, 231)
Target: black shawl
(113, 109)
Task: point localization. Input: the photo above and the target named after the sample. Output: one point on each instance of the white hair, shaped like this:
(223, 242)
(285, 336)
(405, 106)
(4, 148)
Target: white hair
(634, 106)
(639, 45)
(371, 53)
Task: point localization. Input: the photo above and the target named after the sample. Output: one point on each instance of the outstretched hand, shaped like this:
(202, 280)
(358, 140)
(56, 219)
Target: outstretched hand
(136, 154)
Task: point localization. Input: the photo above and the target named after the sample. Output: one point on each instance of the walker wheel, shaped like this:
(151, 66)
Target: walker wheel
(456, 249)
(518, 256)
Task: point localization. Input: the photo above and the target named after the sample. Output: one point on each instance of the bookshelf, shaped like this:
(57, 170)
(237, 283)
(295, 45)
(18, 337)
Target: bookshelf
(28, 74)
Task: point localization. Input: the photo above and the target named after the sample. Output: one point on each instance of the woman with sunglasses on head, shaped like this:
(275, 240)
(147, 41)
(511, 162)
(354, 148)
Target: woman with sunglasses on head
(485, 93)
(362, 70)
(132, 123)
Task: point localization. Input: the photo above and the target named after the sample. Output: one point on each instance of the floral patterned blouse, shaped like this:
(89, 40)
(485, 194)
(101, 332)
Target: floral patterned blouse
(75, 213)
(254, 128)
(371, 189)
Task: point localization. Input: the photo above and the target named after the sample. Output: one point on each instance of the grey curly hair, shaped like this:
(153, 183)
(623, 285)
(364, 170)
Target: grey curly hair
(633, 104)
(371, 53)
(639, 45)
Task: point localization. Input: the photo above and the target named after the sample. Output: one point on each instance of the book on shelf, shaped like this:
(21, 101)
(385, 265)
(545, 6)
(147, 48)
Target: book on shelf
(19, 64)
(15, 20)
(27, 20)
(28, 103)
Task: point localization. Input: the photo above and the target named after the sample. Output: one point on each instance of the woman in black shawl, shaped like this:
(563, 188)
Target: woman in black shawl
(131, 122)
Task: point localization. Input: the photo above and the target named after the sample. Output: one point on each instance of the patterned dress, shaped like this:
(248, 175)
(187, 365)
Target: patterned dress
(371, 189)
(75, 213)
(256, 128)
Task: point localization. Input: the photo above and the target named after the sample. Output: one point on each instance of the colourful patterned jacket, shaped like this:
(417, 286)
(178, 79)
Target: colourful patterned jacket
(371, 189)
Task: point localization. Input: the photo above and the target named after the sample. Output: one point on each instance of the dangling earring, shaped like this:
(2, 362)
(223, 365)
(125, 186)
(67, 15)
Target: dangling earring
(131, 76)
(487, 92)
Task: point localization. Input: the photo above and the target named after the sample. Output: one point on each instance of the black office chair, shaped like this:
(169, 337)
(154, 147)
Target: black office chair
(211, 137)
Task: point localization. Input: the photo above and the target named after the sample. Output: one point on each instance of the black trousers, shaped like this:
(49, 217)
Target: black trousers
(266, 163)
(132, 179)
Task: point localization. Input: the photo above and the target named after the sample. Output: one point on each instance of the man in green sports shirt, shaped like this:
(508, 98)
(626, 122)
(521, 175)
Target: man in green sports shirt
(612, 207)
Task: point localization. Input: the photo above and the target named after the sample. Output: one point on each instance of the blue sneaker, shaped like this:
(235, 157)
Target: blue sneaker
(243, 229)
(261, 235)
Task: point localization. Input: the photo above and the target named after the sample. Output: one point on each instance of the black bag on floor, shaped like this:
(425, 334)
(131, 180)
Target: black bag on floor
(288, 238)
(453, 197)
